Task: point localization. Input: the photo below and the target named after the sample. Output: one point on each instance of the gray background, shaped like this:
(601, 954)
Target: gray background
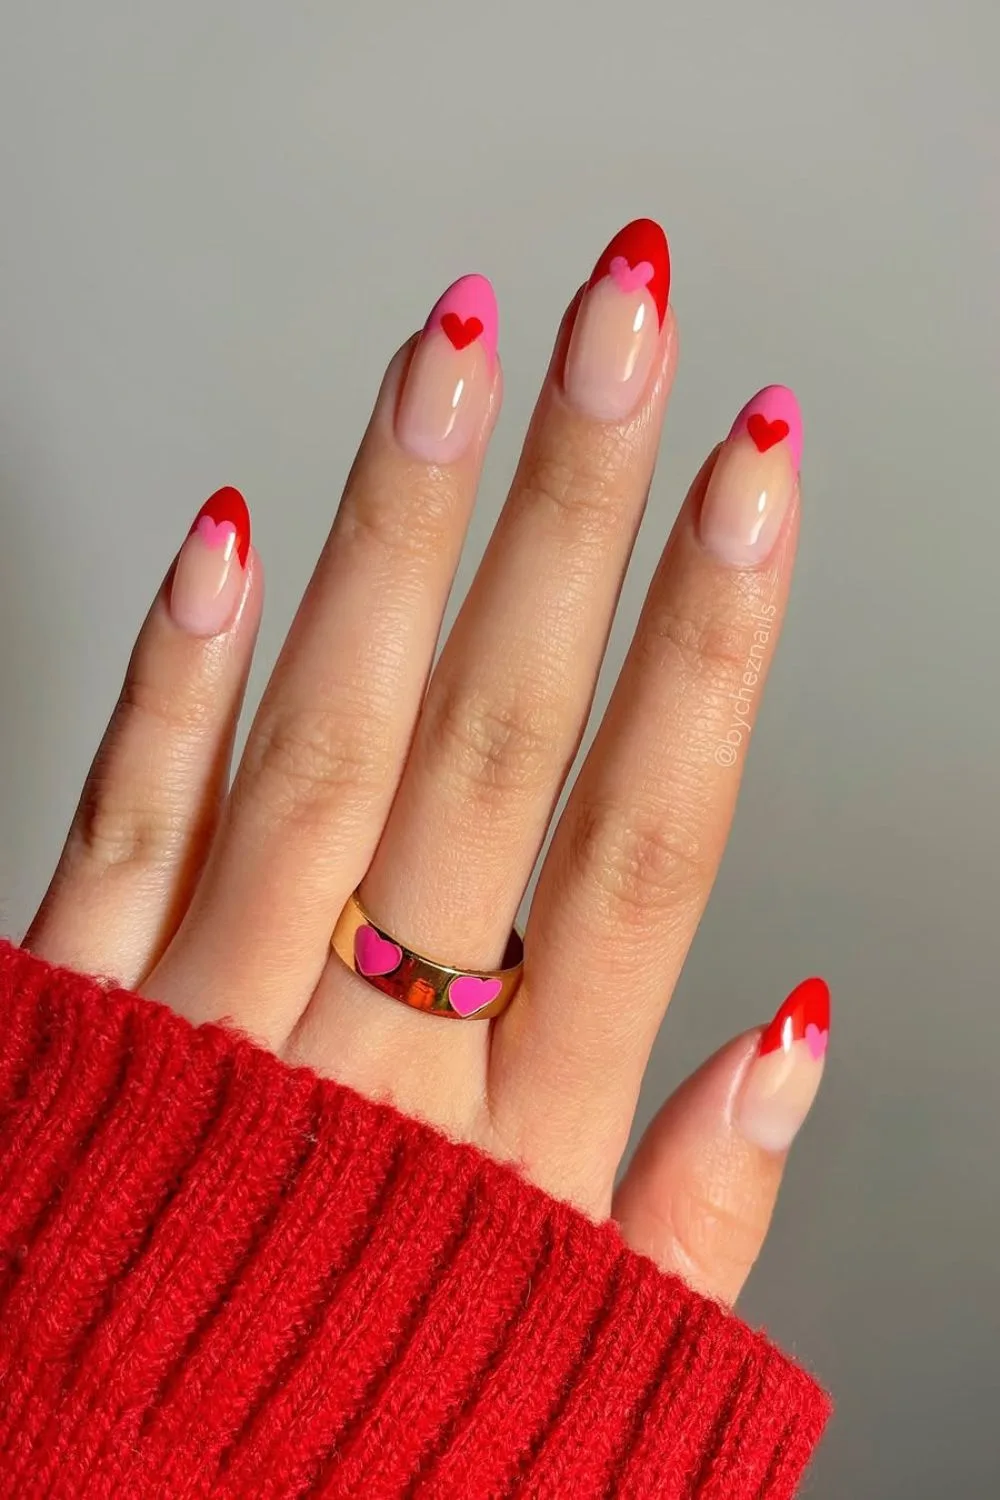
(219, 219)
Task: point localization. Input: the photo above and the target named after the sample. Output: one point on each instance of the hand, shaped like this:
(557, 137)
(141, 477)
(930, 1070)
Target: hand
(432, 791)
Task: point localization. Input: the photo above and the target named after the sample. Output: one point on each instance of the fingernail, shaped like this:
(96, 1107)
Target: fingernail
(210, 572)
(450, 380)
(754, 479)
(781, 1083)
(616, 336)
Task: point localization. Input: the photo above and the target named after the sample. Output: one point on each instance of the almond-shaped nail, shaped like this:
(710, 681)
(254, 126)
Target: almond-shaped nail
(754, 479)
(449, 384)
(210, 572)
(616, 335)
(782, 1080)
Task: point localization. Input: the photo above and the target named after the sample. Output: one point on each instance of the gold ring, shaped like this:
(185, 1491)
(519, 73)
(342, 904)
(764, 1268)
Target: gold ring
(383, 962)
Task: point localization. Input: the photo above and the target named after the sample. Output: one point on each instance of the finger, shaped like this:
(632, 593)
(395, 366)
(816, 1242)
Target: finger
(698, 1195)
(634, 857)
(153, 796)
(327, 746)
(509, 697)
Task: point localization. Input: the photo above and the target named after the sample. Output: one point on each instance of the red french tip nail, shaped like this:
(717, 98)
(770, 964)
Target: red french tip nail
(638, 256)
(804, 1017)
(227, 506)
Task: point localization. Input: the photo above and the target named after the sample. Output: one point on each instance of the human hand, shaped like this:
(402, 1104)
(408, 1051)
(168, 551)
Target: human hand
(431, 792)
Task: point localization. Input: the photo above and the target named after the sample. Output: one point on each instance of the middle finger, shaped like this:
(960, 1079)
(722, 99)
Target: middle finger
(509, 698)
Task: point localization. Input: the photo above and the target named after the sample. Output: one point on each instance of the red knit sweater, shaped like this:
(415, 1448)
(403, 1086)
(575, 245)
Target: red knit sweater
(223, 1276)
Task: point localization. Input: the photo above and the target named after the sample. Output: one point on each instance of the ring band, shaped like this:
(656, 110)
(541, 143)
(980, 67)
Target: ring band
(383, 962)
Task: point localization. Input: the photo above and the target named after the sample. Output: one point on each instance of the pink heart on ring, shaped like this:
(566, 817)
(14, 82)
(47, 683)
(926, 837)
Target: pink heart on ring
(215, 533)
(469, 993)
(816, 1040)
(631, 278)
(375, 955)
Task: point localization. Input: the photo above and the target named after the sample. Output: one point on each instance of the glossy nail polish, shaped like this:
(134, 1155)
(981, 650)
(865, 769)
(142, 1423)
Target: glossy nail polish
(782, 1080)
(210, 572)
(449, 384)
(754, 479)
(616, 336)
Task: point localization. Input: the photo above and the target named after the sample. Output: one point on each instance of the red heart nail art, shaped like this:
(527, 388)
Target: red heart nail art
(461, 331)
(764, 433)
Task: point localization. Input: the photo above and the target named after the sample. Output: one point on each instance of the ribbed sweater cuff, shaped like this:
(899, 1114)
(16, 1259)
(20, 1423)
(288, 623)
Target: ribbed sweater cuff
(223, 1276)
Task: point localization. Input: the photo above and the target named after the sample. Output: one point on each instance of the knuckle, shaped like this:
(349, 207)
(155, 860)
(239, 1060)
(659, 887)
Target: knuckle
(175, 710)
(713, 1240)
(417, 531)
(710, 647)
(579, 488)
(116, 826)
(309, 763)
(641, 863)
(129, 818)
(493, 746)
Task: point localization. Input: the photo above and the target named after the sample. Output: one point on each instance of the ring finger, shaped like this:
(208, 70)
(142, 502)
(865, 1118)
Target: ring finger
(633, 860)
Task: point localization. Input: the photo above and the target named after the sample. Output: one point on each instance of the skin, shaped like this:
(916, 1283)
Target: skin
(220, 903)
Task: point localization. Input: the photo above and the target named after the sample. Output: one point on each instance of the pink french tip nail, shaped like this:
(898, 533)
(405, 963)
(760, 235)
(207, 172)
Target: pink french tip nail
(467, 312)
(449, 385)
(210, 571)
(773, 416)
(783, 1078)
(754, 479)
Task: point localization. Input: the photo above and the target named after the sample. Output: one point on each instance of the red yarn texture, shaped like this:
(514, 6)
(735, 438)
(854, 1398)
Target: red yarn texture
(222, 1276)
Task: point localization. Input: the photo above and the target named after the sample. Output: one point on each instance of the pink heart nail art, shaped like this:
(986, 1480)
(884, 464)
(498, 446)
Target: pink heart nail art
(469, 993)
(375, 955)
(816, 1040)
(214, 533)
(631, 278)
